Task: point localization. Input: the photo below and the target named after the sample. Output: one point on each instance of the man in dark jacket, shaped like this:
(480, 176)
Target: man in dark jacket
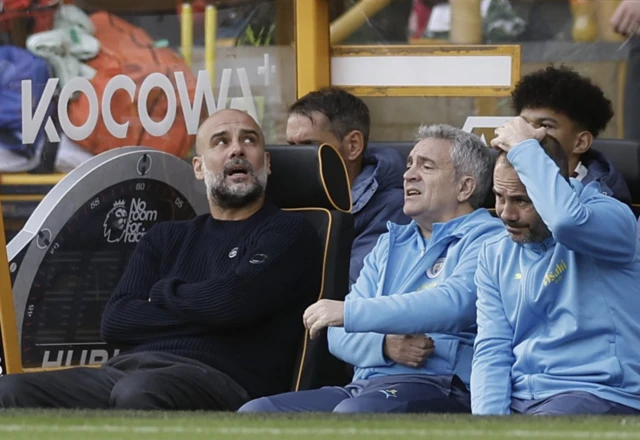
(207, 309)
(575, 111)
(338, 118)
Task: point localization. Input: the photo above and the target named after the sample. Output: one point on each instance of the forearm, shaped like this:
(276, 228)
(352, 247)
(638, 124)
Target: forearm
(574, 223)
(426, 311)
(247, 291)
(133, 321)
(491, 378)
(364, 350)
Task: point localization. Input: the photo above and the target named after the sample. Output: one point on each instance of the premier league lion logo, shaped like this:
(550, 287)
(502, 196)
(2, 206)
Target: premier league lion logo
(115, 222)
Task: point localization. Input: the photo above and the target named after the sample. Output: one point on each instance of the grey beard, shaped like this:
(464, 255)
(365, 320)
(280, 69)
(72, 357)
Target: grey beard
(235, 196)
(537, 234)
(226, 198)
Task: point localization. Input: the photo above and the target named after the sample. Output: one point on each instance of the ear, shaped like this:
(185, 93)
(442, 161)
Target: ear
(197, 167)
(466, 187)
(267, 162)
(583, 142)
(354, 145)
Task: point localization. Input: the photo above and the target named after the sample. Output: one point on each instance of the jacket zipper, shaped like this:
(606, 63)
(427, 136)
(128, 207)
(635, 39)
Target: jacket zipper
(527, 294)
(418, 263)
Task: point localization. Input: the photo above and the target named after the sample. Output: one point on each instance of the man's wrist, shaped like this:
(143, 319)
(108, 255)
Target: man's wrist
(527, 143)
(385, 354)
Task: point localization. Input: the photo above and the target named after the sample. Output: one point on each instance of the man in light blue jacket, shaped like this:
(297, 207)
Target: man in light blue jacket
(558, 292)
(408, 324)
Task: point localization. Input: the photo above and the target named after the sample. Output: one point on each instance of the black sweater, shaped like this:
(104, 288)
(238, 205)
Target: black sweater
(227, 293)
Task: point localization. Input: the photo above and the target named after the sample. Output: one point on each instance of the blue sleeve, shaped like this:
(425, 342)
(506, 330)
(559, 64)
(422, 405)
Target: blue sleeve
(593, 224)
(493, 355)
(363, 350)
(450, 307)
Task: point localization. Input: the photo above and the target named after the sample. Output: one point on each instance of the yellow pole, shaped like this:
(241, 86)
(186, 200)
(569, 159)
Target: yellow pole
(351, 20)
(313, 58)
(186, 33)
(211, 29)
(10, 341)
(466, 22)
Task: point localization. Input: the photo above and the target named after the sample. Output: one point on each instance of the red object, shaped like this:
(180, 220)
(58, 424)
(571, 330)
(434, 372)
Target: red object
(198, 6)
(41, 12)
(422, 13)
(129, 50)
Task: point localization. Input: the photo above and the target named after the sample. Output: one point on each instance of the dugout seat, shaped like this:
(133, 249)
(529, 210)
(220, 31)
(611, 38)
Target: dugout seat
(625, 156)
(313, 180)
(310, 179)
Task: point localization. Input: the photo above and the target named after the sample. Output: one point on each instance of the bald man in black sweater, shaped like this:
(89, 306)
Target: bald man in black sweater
(211, 308)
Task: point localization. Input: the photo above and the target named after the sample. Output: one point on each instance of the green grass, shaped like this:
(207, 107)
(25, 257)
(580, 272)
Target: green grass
(96, 425)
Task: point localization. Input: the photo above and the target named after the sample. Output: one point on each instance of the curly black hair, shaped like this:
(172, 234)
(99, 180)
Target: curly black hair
(563, 90)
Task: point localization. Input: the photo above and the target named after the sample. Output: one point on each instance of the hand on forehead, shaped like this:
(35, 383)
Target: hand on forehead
(515, 131)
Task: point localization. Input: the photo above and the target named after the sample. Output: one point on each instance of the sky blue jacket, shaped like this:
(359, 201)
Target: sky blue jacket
(561, 315)
(410, 285)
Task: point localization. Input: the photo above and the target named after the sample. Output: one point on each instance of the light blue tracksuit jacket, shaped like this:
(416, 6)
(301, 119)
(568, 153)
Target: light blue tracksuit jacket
(561, 315)
(410, 285)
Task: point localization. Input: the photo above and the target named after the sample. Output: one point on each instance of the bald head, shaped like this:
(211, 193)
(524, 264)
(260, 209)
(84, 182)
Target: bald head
(227, 123)
(232, 161)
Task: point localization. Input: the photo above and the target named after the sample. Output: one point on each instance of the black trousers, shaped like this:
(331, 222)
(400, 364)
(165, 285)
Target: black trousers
(144, 381)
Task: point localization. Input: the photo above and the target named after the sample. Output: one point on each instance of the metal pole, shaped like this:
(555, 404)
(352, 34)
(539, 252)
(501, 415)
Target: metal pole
(351, 20)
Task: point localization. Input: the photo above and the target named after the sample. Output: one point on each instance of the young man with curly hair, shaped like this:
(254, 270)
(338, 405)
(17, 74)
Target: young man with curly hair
(574, 111)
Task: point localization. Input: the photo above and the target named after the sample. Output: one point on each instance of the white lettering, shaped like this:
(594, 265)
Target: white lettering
(31, 123)
(203, 90)
(98, 356)
(70, 357)
(162, 127)
(118, 82)
(46, 363)
(225, 83)
(138, 213)
(74, 132)
(54, 248)
(249, 102)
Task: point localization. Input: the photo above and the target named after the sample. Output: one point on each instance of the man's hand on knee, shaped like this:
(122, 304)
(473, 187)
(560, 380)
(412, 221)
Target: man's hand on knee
(409, 350)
